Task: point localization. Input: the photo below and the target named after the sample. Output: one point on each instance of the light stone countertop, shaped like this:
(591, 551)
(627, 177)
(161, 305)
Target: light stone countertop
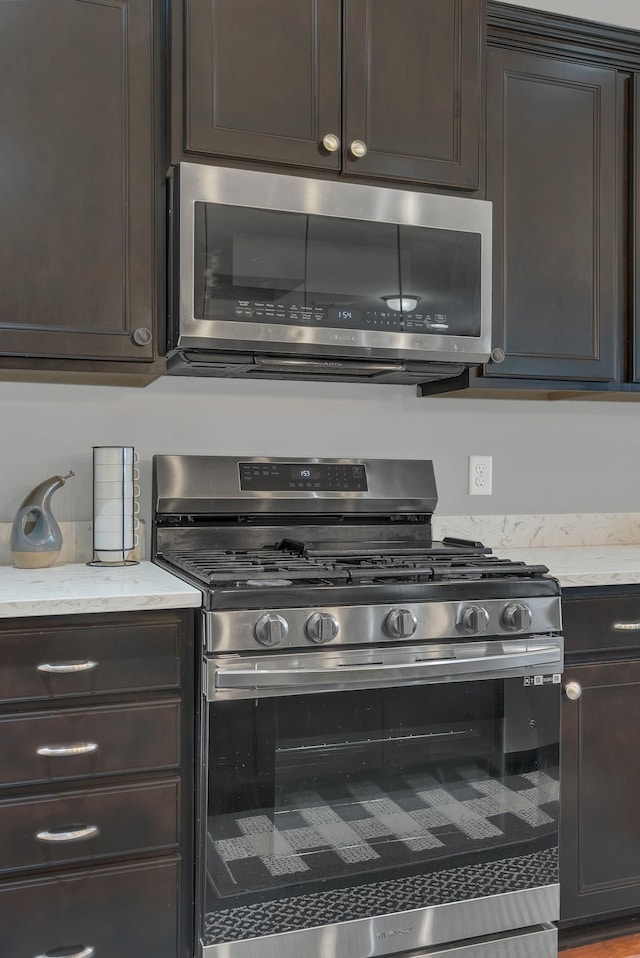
(582, 565)
(77, 588)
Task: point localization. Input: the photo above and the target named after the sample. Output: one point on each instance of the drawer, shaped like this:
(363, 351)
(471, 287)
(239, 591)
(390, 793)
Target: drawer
(76, 827)
(81, 658)
(126, 912)
(80, 743)
(603, 624)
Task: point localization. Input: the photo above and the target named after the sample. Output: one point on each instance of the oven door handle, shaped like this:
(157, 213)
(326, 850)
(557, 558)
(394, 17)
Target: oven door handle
(342, 677)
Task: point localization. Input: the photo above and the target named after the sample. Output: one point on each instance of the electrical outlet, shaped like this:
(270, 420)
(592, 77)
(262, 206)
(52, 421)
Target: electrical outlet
(480, 475)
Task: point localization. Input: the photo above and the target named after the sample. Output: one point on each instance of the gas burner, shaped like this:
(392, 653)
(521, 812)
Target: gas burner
(266, 582)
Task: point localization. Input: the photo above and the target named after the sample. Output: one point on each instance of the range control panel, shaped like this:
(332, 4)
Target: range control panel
(305, 476)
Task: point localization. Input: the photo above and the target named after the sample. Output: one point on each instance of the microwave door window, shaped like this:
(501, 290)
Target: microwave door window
(254, 265)
(351, 267)
(248, 264)
(440, 281)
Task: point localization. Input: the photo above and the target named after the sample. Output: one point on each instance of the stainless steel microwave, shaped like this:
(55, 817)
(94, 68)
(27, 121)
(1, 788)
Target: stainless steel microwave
(279, 276)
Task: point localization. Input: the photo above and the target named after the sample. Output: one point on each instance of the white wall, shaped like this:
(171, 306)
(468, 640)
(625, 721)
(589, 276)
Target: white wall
(548, 457)
(623, 13)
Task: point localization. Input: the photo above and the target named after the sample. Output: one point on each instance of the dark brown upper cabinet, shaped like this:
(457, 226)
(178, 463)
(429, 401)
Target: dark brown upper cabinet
(553, 151)
(563, 172)
(413, 90)
(77, 244)
(634, 233)
(263, 79)
(367, 88)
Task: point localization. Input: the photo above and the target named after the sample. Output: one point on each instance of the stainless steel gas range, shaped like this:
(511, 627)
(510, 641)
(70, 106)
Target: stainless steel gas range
(378, 731)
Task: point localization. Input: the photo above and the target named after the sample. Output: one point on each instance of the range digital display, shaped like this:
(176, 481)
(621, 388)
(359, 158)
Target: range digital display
(306, 473)
(302, 476)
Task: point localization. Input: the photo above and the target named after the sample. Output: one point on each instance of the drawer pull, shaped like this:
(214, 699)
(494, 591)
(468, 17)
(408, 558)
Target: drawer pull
(626, 626)
(85, 666)
(82, 748)
(80, 952)
(72, 835)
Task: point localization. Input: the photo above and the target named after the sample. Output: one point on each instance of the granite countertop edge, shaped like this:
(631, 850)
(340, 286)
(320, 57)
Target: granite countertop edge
(583, 566)
(76, 588)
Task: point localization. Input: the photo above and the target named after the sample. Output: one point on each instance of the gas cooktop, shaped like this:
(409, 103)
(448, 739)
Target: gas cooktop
(282, 563)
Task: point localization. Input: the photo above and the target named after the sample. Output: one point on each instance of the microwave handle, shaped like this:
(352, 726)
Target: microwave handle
(292, 681)
(285, 361)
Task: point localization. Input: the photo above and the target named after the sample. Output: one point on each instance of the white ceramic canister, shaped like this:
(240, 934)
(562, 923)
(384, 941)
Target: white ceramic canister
(115, 504)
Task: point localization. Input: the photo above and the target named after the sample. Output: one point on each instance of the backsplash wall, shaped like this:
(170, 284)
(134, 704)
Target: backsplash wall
(567, 457)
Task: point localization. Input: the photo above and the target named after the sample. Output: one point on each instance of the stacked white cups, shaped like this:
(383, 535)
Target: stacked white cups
(115, 502)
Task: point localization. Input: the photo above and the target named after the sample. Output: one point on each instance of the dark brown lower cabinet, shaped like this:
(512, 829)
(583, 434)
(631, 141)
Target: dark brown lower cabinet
(127, 912)
(600, 761)
(96, 786)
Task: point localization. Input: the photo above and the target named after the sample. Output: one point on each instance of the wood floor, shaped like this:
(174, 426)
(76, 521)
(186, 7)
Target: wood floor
(628, 947)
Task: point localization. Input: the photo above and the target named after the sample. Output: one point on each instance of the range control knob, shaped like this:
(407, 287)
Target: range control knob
(400, 623)
(516, 617)
(474, 620)
(321, 627)
(271, 629)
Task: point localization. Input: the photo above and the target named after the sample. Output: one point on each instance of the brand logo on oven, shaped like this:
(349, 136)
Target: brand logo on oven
(338, 338)
(394, 932)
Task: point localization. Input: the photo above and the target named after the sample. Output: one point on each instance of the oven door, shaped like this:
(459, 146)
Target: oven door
(373, 801)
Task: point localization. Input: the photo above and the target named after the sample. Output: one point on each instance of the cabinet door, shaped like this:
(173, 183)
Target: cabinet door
(552, 174)
(413, 88)
(635, 233)
(263, 79)
(121, 912)
(76, 192)
(600, 825)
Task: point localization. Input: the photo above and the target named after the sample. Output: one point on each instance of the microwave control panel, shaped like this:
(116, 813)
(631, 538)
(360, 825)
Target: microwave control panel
(385, 320)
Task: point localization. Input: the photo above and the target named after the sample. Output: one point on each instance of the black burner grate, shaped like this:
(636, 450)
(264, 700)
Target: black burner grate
(286, 565)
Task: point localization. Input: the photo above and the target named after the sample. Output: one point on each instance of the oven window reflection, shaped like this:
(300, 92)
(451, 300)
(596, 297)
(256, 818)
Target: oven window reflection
(308, 793)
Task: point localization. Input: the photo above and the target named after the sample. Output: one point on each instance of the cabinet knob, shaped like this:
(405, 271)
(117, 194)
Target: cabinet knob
(358, 149)
(141, 336)
(86, 951)
(573, 691)
(331, 142)
(497, 355)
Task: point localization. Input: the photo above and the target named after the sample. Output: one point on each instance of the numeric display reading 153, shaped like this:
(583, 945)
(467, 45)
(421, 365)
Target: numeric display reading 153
(305, 472)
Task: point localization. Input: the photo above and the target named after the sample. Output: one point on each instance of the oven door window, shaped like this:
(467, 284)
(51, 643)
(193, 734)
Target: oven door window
(323, 808)
(293, 269)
